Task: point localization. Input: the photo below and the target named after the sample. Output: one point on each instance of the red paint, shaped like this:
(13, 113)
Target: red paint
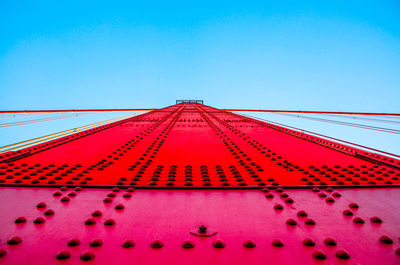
(207, 147)
(170, 216)
(195, 146)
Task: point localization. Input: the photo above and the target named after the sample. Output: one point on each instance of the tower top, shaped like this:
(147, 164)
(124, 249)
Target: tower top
(189, 101)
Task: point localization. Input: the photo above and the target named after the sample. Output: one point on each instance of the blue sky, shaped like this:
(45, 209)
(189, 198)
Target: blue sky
(308, 55)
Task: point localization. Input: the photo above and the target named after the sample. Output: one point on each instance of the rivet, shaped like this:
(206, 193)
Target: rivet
(277, 243)
(336, 194)
(309, 221)
(96, 243)
(397, 251)
(20, 220)
(72, 194)
(2, 253)
(376, 220)
(269, 196)
(107, 200)
(354, 205)
(97, 213)
(347, 213)
(187, 244)
(119, 207)
(330, 200)
(342, 254)
(86, 256)
(308, 242)
(57, 193)
(128, 244)
(49, 212)
(301, 213)
(90, 221)
(109, 222)
(62, 255)
(73, 242)
(278, 207)
(65, 199)
(39, 220)
(330, 242)
(218, 244)
(249, 244)
(386, 240)
(289, 200)
(358, 220)
(14, 240)
(291, 222)
(319, 254)
(156, 244)
(41, 205)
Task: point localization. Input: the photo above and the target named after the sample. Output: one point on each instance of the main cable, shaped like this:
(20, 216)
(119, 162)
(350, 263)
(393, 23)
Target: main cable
(321, 135)
(374, 128)
(11, 124)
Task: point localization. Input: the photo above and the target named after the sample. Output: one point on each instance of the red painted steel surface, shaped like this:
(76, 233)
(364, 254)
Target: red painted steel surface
(170, 215)
(251, 178)
(195, 145)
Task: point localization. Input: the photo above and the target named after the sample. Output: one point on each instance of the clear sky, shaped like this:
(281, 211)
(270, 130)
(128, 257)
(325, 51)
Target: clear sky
(300, 55)
(331, 55)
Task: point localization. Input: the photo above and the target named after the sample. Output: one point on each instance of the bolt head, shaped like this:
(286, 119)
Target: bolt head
(330, 242)
(218, 244)
(319, 254)
(277, 243)
(249, 244)
(342, 254)
(14, 240)
(86, 256)
(95, 243)
(156, 244)
(308, 242)
(63, 255)
(73, 242)
(128, 244)
(20, 220)
(386, 240)
(187, 244)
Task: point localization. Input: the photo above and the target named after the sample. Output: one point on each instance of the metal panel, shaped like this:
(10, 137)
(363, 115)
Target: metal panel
(170, 215)
(195, 145)
(266, 195)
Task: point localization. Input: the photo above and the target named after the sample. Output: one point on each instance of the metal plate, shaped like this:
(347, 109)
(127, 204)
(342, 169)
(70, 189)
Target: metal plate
(169, 216)
(192, 145)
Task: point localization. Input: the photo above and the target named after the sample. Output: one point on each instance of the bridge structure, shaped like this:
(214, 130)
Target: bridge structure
(193, 184)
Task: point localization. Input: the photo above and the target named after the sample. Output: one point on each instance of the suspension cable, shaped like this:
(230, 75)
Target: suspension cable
(322, 135)
(11, 124)
(315, 112)
(40, 139)
(368, 119)
(374, 128)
